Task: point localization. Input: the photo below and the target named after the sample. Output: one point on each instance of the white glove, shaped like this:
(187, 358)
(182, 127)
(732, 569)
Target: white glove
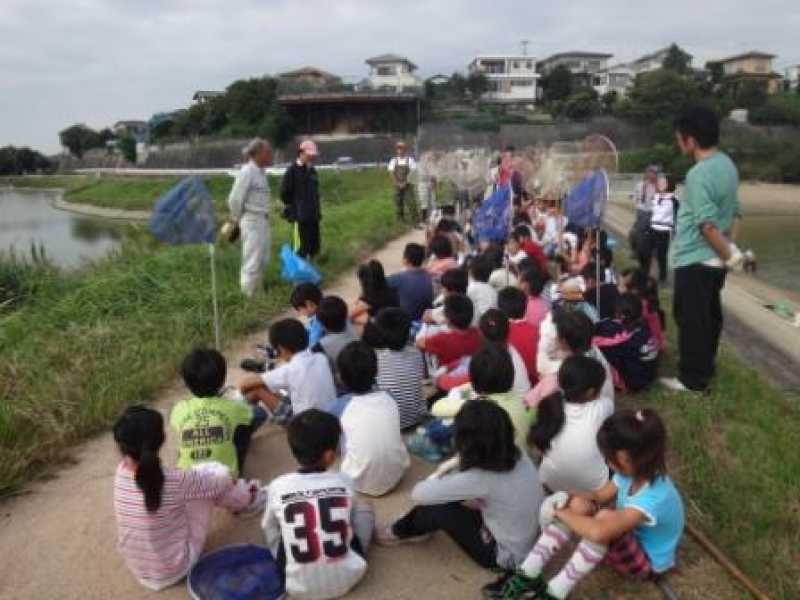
(554, 502)
(734, 263)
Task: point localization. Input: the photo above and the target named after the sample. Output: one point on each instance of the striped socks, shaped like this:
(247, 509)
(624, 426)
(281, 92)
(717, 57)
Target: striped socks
(585, 558)
(553, 537)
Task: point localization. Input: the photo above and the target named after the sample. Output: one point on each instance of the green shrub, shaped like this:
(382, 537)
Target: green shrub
(783, 109)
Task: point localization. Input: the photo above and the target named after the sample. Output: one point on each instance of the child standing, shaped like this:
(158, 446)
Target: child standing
(302, 381)
(211, 428)
(305, 300)
(163, 515)
(566, 427)
(313, 526)
(488, 505)
(662, 225)
(375, 456)
(638, 537)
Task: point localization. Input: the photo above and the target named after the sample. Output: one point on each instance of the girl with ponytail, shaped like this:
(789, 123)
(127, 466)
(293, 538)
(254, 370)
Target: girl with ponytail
(566, 425)
(163, 514)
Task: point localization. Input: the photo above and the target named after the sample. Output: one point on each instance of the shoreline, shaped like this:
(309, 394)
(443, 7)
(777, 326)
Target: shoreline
(78, 208)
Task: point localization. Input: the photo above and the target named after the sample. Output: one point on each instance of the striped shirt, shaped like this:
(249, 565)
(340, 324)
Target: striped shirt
(156, 546)
(400, 373)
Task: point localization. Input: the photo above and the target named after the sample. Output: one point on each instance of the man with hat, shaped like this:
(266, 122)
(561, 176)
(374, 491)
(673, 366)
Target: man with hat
(643, 199)
(401, 167)
(300, 194)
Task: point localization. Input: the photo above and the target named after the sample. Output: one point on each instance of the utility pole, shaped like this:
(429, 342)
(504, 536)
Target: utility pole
(524, 44)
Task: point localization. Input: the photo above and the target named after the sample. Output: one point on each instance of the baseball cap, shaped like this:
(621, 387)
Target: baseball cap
(309, 147)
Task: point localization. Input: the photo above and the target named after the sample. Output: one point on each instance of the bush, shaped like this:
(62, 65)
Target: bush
(778, 110)
(666, 156)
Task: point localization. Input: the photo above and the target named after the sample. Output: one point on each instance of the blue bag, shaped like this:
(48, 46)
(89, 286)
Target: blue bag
(185, 214)
(296, 269)
(238, 572)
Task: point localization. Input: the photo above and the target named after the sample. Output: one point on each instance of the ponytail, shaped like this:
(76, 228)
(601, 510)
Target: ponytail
(642, 434)
(139, 434)
(550, 418)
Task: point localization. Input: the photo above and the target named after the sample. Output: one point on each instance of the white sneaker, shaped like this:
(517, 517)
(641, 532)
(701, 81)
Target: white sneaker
(673, 384)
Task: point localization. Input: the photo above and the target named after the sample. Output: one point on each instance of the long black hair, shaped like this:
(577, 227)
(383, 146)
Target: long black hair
(484, 437)
(139, 434)
(577, 376)
(642, 434)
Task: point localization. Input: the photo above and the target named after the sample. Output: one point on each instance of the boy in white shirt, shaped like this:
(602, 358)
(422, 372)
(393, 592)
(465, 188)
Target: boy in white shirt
(313, 526)
(374, 453)
(303, 380)
(479, 290)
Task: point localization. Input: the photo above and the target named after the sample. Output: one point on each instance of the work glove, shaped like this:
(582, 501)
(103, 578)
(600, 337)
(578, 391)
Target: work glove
(554, 502)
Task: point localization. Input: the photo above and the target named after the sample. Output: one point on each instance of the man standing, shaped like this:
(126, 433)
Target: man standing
(249, 207)
(401, 167)
(702, 249)
(300, 194)
(643, 199)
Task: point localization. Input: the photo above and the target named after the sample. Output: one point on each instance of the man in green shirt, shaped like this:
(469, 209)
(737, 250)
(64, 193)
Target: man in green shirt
(703, 249)
(212, 428)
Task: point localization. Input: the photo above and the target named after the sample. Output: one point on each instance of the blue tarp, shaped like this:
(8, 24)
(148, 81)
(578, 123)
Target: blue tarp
(493, 219)
(185, 214)
(586, 202)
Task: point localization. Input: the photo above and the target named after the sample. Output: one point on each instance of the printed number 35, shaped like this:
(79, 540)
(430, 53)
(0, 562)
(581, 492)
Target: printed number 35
(307, 531)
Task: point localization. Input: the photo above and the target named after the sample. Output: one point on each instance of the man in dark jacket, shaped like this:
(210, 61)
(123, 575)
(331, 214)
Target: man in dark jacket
(300, 194)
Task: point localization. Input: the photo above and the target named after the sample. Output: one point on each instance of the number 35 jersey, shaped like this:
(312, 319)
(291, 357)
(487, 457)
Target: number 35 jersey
(310, 513)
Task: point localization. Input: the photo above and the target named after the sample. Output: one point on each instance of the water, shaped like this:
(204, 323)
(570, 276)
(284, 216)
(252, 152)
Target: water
(28, 218)
(776, 242)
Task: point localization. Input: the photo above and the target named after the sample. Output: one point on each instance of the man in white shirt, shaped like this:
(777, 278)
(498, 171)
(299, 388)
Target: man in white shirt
(401, 167)
(302, 381)
(249, 207)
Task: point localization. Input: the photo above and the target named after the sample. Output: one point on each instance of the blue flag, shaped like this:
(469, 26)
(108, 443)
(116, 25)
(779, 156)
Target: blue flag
(185, 214)
(493, 218)
(586, 202)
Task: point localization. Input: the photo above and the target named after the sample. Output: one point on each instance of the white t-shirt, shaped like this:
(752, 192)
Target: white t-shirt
(483, 296)
(307, 378)
(374, 453)
(663, 216)
(404, 161)
(522, 382)
(553, 225)
(502, 278)
(312, 513)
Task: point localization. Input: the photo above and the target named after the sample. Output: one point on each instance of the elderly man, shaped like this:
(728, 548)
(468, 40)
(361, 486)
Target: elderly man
(401, 167)
(249, 207)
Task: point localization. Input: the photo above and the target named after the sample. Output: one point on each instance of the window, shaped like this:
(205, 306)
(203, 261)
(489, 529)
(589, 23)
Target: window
(516, 64)
(529, 65)
(493, 86)
(387, 71)
(521, 82)
(594, 65)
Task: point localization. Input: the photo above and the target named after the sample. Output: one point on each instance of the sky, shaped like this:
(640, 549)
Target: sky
(100, 61)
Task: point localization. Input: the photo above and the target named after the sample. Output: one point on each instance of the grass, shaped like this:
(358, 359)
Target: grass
(89, 343)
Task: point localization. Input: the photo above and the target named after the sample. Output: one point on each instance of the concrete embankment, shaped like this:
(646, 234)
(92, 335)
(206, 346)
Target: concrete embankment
(761, 337)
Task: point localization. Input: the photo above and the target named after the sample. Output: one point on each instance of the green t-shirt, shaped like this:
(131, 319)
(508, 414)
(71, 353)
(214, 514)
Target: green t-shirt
(206, 427)
(711, 196)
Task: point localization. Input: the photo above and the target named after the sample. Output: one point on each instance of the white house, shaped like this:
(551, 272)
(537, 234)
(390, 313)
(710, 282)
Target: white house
(392, 72)
(512, 78)
(793, 76)
(582, 65)
(618, 78)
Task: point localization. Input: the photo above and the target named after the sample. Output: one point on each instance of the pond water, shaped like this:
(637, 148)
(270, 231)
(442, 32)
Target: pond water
(776, 242)
(28, 218)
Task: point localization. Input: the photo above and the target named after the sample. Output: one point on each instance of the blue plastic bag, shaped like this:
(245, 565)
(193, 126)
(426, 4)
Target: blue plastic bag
(296, 269)
(185, 214)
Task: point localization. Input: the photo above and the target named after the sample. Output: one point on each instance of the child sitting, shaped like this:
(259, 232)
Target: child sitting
(454, 281)
(305, 300)
(212, 428)
(375, 293)
(502, 275)
(401, 367)
(460, 339)
(163, 515)
(488, 504)
(374, 453)
(532, 282)
(638, 537)
(566, 427)
(302, 381)
(332, 315)
(522, 336)
(628, 345)
(313, 525)
(524, 238)
(606, 292)
(442, 256)
(639, 283)
(495, 329)
(413, 285)
(482, 294)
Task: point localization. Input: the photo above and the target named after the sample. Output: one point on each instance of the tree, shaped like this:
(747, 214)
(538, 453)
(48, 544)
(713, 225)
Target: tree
(609, 100)
(250, 100)
(79, 138)
(677, 60)
(581, 105)
(458, 86)
(750, 95)
(557, 84)
(477, 84)
(17, 161)
(715, 71)
(127, 146)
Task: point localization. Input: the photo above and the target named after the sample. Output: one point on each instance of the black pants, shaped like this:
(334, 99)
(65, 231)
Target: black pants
(463, 525)
(309, 238)
(698, 313)
(658, 245)
(402, 197)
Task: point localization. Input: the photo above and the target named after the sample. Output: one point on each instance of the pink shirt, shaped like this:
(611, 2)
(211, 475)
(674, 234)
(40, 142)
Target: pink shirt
(536, 311)
(438, 266)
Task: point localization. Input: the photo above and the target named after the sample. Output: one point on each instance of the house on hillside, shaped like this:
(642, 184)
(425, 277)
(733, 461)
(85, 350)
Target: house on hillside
(512, 78)
(312, 78)
(392, 72)
(201, 96)
(138, 129)
(582, 65)
(617, 79)
(750, 66)
(651, 62)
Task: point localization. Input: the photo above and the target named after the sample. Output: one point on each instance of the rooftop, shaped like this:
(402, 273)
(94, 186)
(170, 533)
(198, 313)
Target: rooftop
(343, 97)
(577, 53)
(750, 54)
(314, 71)
(389, 58)
(207, 94)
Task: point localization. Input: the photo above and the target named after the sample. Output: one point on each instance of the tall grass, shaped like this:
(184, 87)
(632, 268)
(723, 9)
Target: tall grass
(88, 344)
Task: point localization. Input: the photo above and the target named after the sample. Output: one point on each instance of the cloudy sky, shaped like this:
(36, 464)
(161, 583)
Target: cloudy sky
(99, 61)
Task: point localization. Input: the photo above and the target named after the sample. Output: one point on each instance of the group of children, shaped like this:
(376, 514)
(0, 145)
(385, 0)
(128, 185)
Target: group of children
(486, 362)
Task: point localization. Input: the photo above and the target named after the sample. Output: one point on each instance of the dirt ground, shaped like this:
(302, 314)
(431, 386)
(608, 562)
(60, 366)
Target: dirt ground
(57, 538)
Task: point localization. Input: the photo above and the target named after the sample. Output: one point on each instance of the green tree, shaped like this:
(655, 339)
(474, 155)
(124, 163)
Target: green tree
(477, 84)
(17, 161)
(715, 71)
(79, 138)
(457, 87)
(557, 84)
(609, 100)
(750, 95)
(582, 105)
(678, 60)
(250, 100)
(127, 146)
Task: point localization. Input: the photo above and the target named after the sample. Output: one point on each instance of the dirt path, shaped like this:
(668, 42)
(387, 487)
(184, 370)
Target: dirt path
(57, 540)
